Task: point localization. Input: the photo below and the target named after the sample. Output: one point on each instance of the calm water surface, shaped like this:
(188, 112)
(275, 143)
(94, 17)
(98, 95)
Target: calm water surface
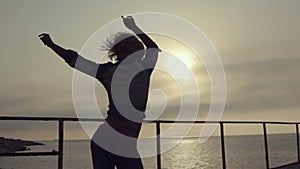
(241, 152)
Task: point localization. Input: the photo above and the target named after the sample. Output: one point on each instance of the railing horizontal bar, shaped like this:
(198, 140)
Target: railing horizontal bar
(53, 153)
(146, 121)
(225, 122)
(49, 118)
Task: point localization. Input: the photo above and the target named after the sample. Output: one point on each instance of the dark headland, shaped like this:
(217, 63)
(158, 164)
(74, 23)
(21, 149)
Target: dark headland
(8, 145)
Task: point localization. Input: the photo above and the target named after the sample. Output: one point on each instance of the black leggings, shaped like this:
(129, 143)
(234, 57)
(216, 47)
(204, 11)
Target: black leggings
(103, 159)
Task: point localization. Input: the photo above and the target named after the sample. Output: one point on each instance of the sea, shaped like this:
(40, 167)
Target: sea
(242, 152)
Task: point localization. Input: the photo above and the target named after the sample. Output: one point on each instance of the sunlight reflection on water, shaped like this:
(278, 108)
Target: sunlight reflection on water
(241, 152)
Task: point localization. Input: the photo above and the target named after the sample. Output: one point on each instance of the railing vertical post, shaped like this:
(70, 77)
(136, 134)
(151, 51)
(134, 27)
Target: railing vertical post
(266, 145)
(158, 157)
(297, 135)
(223, 145)
(60, 143)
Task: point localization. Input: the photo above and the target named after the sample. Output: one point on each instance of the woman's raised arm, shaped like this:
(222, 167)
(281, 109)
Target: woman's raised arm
(130, 24)
(152, 48)
(71, 57)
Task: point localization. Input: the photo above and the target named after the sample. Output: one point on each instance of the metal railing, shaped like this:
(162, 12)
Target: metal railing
(158, 123)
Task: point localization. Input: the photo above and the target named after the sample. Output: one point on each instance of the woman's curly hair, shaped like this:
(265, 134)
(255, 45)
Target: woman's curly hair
(121, 45)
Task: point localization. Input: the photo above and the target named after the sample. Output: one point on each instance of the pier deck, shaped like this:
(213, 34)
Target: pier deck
(289, 166)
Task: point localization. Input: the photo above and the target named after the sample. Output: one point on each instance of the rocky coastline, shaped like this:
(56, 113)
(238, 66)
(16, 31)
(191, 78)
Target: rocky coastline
(8, 145)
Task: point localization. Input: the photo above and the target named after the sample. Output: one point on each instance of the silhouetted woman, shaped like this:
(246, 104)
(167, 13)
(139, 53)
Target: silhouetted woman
(127, 83)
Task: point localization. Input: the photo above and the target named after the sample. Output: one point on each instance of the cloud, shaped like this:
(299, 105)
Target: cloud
(269, 82)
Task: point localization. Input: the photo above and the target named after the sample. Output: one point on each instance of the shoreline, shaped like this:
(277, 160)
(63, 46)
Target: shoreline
(9, 145)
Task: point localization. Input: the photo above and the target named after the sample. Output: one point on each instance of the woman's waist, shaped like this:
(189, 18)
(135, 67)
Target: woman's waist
(124, 126)
(126, 114)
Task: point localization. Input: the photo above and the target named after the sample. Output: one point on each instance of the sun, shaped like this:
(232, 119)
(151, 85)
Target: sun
(176, 59)
(177, 65)
(185, 56)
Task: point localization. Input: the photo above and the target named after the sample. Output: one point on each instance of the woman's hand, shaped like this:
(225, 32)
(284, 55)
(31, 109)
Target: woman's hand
(46, 39)
(129, 22)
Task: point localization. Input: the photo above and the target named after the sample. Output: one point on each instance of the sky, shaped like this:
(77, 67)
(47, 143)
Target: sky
(257, 41)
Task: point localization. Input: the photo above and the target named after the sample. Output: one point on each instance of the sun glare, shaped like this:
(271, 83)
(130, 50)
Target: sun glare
(184, 56)
(176, 65)
(177, 59)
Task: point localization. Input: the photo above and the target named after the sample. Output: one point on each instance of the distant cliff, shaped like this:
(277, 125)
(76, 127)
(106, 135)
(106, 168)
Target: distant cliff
(12, 145)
